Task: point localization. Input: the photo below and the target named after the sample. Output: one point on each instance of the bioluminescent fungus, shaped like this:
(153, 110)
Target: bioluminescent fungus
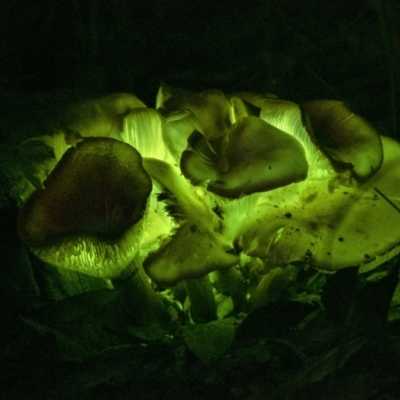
(208, 180)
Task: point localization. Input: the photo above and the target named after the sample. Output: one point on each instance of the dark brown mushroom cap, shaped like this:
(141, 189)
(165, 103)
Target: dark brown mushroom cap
(349, 141)
(254, 157)
(99, 188)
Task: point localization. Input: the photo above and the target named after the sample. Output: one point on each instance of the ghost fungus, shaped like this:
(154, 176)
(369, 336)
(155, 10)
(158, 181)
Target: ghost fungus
(99, 117)
(329, 228)
(349, 141)
(90, 215)
(230, 151)
(287, 117)
(192, 252)
(211, 109)
(196, 248)
(330, 220)
(193, 249)
(254, 157)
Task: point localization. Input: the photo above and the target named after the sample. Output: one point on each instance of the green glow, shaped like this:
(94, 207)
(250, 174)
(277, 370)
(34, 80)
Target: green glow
(93, 256)
(330, 219)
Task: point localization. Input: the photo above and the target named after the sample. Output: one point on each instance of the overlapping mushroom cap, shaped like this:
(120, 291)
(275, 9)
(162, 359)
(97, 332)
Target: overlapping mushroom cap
(331, 220)
(284, 183)
(101, 117)
(232, 154)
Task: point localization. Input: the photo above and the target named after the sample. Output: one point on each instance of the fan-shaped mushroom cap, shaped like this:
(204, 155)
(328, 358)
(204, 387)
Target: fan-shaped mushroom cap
(196, 247)
(255, 157)
(213, 111)
(193, 251)
(329, 228)
(95, 117)
(90, 215)
(345, 139)
(348, 140)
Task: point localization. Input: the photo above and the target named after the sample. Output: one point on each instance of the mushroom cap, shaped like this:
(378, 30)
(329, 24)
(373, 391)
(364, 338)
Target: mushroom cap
(213, 111)
(196, 247)
(97, 117)
(96, 195)
(287, 116)
(349, 141)
(94, 117)
(176, 131)
(192, 252)
(328, 228)
(254, 157)
(328, 130)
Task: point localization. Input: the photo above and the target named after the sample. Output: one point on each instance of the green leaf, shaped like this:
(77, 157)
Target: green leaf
(209, 341)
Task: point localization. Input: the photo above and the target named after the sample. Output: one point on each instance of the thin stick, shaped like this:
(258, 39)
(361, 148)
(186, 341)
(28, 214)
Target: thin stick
(387, 199)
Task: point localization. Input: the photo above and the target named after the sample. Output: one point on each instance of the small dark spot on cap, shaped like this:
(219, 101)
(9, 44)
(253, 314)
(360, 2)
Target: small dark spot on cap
(288, 215)
(345, 192)
(312, 244)
(313, 225)
(193, 228)
(328, 253)
(367, 256)
(340, 239)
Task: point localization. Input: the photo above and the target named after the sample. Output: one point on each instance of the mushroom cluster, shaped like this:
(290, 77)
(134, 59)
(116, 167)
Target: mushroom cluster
(208, 183)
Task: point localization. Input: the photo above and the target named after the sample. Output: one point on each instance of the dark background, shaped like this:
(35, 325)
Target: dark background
(58, 51)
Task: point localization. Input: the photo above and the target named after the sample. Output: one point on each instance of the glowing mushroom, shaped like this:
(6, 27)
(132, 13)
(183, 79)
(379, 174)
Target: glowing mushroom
(196, 247)
(341, 215)
(91, 214)
(208, 112)
(255, 157)
(99, 117)
(349, 141)
(313, 185)
(332, 222)
(228, 151)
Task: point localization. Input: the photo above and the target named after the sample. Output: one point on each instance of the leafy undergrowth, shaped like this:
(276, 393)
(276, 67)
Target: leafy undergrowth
(327, 337)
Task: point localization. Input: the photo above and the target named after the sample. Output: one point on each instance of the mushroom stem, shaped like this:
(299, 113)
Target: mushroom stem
(188, 199)
(141, 301)
(202, 303)
(233, 284)
(272, 285)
